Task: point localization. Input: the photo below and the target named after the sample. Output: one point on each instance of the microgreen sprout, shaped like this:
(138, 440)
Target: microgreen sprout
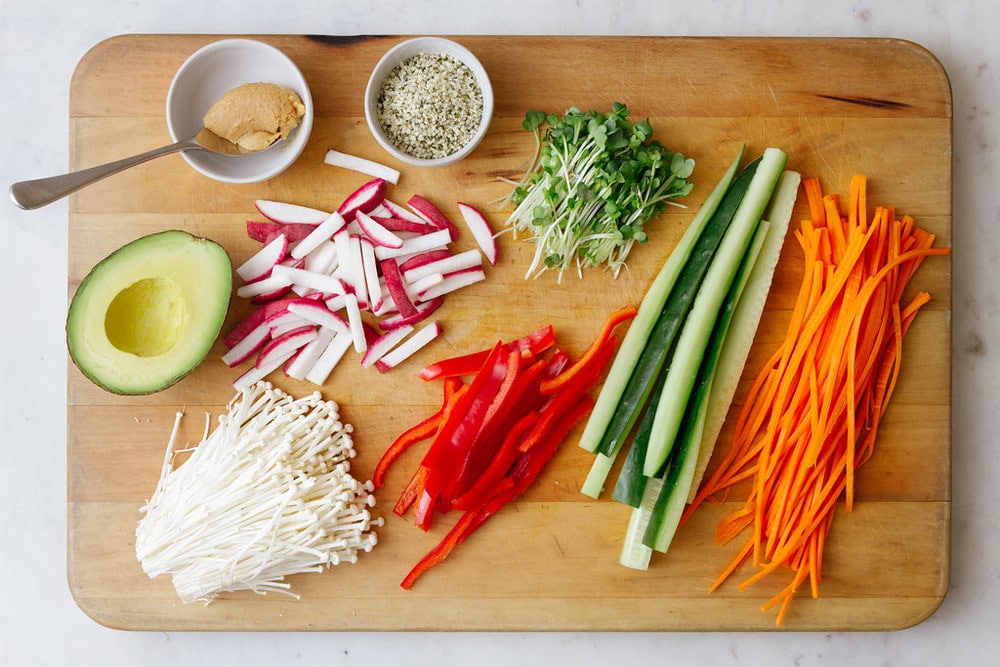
(595, 181)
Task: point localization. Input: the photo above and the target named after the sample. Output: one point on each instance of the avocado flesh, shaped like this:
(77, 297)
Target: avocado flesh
(148, 314)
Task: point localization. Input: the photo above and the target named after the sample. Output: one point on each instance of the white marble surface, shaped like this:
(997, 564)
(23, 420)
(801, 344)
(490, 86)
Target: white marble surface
(40, 44)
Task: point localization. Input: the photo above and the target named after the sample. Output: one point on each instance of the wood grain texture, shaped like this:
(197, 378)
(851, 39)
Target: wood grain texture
(549, 562)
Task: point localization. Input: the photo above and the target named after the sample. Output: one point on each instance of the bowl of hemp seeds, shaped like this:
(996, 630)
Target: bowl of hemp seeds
(428, 101)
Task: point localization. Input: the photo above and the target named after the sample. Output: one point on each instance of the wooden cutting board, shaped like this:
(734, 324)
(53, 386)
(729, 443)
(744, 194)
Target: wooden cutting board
(549, 562)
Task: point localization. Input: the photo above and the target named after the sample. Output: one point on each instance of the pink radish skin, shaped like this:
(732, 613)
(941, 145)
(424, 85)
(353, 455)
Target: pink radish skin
(287, 213)
(257, 316)
(424, 258)
(246, 346)
(400, 224)
(364, 199)
(400, 211)
(369, 266)
(424, 310)
(376, 233)
(381, 345)
(397, 290)
(318, 313)
(437, 239)
(481, 231)
(432, 213)
(265, 289)
(265, 232)
(281, 348)
(259, 264)
(469, 259)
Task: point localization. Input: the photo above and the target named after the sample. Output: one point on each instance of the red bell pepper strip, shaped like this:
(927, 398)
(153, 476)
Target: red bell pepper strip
(530, 465)
(582, 381)
(465, 526)
(411, 436)
(622, 315)
(500, 466)
(467, 364)
(411, 492)
(483, 446)
(453, 439)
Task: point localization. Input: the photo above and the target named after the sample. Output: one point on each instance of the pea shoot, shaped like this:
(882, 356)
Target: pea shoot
(595, 181)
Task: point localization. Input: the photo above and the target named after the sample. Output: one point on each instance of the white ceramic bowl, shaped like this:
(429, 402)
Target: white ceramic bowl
(402, 52)
(216, 69)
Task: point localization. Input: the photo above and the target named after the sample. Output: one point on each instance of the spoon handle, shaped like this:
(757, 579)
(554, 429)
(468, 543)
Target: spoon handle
(41, 191)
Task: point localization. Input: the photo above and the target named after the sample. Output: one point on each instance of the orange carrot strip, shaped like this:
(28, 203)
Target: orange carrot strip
(812, 412)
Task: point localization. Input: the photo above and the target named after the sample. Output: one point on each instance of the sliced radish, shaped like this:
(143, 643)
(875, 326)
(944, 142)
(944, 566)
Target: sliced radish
(397, 289)
(360, 164)
(376, 233)
(256, 317)
(317, 312)
(337, 303)
(364, 199)
(481, 231)
(432, 213)
(453, 282)
(409, 347)
(399, 211)
(261, 262)
(400, 224)
(284, 212)
(358, 271)
(320, 282)
(414, 288)
(329, 359)
(286, 321)
(320, 233)
(381, 345)
(323, 259)
(452, 263)
(280, 348)
(265, 232)
(424, 310)
(356, 324)
(307, 357)
(247, 345)
(266, 288)
(439, 238)
(373, 285)
(413, 261)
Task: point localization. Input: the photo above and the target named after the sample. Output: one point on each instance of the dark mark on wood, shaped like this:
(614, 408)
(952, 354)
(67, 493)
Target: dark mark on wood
(867, 102)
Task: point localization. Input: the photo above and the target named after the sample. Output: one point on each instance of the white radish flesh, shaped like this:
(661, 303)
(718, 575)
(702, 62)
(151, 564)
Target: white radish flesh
(259, 264)
(287, 213)
(481, 230)
(361, 165)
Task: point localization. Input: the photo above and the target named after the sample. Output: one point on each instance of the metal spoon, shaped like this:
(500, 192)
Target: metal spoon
(41, 191)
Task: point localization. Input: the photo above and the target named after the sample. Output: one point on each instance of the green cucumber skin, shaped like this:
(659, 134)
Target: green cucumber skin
(631, 479)
(662, 338)
(672, 497)
(694, 331)
(746, 320)
(641, 326)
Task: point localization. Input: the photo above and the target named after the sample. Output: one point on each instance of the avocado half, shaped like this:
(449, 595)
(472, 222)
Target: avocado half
(148, 313)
